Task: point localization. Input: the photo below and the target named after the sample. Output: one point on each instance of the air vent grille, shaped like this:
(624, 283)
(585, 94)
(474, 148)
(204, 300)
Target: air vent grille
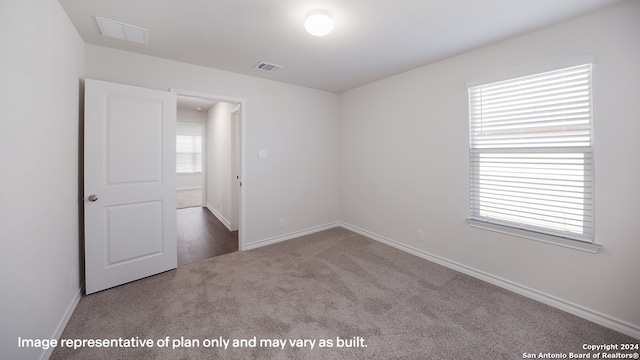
(122, 31)
(264, 66)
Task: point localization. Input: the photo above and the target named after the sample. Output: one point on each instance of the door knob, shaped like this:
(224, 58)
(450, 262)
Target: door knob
(92, 197)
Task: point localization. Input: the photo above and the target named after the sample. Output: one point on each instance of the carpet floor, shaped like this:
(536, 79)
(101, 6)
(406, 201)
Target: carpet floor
(188, 198)
(348, 296)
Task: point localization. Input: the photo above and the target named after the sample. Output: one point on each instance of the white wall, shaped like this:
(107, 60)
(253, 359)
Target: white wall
(187, 116)
(190, 118)
(42, 60)
(404, 168)
(298, 127)
(219, 165)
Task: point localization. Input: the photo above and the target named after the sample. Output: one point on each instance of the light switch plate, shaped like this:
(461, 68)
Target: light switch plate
(262, 154)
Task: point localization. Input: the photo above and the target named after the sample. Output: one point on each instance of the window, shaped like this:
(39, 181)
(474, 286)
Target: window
(188, 154)
(531, 153)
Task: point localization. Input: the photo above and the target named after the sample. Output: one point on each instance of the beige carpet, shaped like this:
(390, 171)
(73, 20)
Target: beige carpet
(331, 286)
(188, 198)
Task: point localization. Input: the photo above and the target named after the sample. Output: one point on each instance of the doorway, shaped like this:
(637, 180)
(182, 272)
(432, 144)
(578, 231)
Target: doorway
(213, 225)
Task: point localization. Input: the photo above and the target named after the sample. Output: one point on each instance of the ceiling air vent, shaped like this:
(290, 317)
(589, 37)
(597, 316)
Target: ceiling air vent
(272, 68)
(122, 31)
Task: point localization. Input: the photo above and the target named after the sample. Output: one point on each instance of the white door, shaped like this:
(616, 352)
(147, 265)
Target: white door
(129, 183)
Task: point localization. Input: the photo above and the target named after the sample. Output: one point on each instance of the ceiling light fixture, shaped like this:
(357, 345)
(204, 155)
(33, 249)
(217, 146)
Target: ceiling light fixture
(318, 22)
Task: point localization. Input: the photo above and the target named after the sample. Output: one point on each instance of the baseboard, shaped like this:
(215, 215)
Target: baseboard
(292, 235)
(580, 311)
(46, 354)
(189, 188)
(215, 212)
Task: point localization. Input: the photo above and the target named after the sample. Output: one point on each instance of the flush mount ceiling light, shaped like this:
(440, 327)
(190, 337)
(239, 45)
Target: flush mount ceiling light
(318, 22)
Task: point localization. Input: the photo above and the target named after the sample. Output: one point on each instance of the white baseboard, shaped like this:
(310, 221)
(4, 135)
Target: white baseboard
(292, 235)
(46, 354)
(215, 212)
(580, 311)
(189, 188)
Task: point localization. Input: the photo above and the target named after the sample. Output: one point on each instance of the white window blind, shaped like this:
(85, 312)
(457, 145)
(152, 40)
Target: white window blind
(188, 154)
(531, 154)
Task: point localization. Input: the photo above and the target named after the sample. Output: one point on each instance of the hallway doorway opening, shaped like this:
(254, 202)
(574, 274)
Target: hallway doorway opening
(209, 164)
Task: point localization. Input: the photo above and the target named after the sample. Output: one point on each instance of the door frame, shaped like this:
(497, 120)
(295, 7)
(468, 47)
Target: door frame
(235, 165)
(242, 226)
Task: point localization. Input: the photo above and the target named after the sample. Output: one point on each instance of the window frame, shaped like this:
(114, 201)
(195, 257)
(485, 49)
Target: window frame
(536, 233)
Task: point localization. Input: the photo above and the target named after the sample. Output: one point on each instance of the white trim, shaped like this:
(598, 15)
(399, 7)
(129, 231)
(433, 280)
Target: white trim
(220, 217)
(189, 188)
(292, 235)
(243, 153)
(208, 96)
(532, 235)
(46, 354)
(577, 310)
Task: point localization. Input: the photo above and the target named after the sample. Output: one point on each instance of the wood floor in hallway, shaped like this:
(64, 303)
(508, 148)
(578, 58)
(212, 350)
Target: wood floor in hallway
(201, 236)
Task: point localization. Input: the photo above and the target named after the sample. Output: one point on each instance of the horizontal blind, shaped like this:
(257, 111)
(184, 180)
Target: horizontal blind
(188, 154)
(530, 154)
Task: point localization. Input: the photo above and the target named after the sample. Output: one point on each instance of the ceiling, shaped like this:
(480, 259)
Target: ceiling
(372, 39)
(194, 103)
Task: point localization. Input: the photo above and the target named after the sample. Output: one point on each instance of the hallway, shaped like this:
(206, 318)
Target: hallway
(201, 236)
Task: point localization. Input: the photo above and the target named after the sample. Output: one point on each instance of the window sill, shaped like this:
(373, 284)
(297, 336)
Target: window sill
(549, 239)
